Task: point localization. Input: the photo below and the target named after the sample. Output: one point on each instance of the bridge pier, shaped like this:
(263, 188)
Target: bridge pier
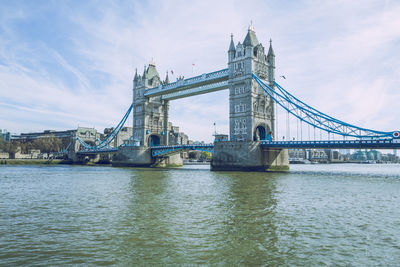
(248, 156)
(138, 156)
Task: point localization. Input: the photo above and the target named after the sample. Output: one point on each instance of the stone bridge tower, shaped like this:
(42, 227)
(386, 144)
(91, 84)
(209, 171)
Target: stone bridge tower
(251, 111)
(150, 114)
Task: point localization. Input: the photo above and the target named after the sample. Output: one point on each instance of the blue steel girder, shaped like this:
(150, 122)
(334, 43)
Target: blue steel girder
(105, 143)
(160, 151)
(316, 118)
(345, 144)
(205, 83)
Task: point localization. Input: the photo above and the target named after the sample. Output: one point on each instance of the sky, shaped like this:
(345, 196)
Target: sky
(65, 64)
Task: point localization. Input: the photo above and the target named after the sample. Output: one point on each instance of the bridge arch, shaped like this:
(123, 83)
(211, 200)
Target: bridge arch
(154, 140)
(262, 133)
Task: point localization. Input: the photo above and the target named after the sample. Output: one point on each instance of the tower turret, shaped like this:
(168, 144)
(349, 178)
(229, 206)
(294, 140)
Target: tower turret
(251, 38)
(166, 81)
(271, 64)
(144, 74)
(135, 78)
(232, 50)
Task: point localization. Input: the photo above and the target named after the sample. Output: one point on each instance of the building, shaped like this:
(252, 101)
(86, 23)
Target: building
(4, 135)
(124, 134)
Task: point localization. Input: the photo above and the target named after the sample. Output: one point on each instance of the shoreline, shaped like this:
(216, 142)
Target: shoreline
(31, 161)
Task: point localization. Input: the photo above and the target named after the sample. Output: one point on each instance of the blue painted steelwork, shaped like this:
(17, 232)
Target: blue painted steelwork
(65, 150)
(346, 144)
(104, 145)
(316, 118)
(160, 151)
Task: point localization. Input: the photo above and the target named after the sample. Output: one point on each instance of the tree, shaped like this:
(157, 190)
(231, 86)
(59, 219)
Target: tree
(205, 155)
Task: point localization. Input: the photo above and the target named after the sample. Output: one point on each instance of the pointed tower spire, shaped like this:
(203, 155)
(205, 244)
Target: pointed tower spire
(144, 72)
(166, 81)
(136, 76)
(232, 50)
(270, 50)
(251, 38)
(232, 44)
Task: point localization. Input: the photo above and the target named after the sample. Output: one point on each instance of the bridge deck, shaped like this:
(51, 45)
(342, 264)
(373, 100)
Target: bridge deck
(159, 151)
(346, 144)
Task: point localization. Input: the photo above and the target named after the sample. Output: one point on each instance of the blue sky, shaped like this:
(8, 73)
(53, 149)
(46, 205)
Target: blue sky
(70, 63)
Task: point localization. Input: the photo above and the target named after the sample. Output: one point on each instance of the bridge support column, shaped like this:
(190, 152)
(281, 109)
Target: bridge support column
(133, 156)
(138, 156)
(166, 132)
(248, 156)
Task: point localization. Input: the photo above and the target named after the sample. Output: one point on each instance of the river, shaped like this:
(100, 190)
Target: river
(344, 214)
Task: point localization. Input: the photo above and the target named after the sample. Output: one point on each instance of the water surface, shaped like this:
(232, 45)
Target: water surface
(345, 214)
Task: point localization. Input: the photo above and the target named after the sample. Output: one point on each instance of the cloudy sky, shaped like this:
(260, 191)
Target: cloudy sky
(70, 63)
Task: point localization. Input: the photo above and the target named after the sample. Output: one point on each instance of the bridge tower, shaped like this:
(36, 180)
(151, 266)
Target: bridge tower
(251, 111)
(150, 123)
(150, 114)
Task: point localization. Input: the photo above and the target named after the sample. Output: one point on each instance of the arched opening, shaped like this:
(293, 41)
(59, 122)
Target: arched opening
(260, 134)
(154, 140)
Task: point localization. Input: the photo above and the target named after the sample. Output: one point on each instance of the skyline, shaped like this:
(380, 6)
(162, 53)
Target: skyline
(62, 63)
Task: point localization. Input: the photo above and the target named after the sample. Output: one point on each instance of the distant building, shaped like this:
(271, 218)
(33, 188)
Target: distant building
(371, 155)
(124, 134)
(23, 137)
(4, 135)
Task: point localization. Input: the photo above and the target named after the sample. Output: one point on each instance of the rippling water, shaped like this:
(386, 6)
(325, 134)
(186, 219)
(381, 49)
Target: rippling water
(313, 215)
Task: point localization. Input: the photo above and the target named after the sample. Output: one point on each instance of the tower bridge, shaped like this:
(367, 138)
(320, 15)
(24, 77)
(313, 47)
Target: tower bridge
(254, 96)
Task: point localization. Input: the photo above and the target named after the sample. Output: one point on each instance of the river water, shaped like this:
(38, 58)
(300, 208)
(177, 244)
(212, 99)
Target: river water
(314, 215)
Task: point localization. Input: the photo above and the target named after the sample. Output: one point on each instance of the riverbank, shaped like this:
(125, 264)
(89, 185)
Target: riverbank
(30, 161)
(196, 163)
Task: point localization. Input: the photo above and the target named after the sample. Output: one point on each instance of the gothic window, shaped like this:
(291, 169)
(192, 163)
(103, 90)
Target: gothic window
(239, 90)
(240, 126)
(244, 127)
(261, 106)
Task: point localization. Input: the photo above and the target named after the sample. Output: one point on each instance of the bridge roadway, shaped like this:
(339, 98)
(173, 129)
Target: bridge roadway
(202, 84)
(332, 144)
(162, 151)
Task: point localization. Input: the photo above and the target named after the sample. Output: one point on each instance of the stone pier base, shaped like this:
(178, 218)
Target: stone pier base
(133, 156)
(248, 156)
